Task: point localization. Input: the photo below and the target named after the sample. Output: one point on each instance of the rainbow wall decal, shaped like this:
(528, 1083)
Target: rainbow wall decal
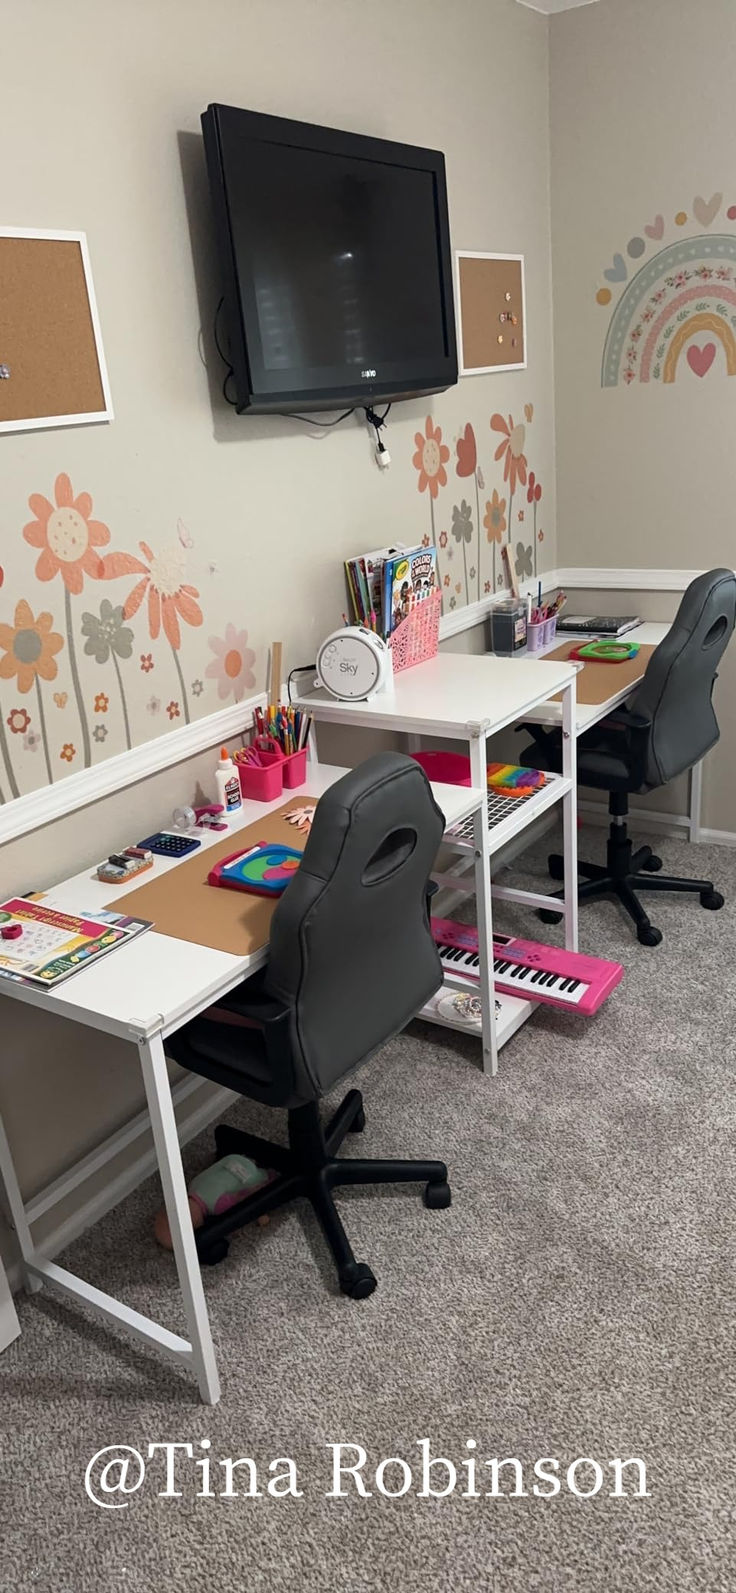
(679, 309)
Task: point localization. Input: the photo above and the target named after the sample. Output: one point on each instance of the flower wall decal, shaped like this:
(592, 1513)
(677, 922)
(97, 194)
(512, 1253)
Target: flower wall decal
(107, 637)
(29, 649)
(232, 665)
(170, 597)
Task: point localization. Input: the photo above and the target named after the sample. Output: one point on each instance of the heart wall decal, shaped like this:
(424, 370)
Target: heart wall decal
(655, 229)
(706, 210)
(617, 272)
(701, 359)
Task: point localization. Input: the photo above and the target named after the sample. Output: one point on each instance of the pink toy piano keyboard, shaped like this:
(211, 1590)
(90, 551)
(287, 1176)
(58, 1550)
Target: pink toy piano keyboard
(530, 969)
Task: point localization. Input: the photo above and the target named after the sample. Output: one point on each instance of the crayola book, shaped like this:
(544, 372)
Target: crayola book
(408, 579)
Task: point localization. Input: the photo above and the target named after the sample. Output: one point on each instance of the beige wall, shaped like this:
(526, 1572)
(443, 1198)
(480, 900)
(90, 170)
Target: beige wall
(255, 514)
(643, 123)
(104, 101)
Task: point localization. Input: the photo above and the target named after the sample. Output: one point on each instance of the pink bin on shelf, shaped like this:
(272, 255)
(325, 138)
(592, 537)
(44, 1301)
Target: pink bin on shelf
(447, 768)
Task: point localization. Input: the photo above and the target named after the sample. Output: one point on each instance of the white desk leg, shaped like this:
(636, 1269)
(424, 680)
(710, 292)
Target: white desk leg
(484, 909)
(696, 797)
(166, 1140)
(570, 816)
(17, 1212)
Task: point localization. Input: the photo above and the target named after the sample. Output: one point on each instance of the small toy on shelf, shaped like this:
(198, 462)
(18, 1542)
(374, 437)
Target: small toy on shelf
(511, 780)
(232, 1179)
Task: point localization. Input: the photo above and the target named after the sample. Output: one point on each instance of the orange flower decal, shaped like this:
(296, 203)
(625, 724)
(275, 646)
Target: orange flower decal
(467, 453)
(102, 703)
(66, 535)
(494, 518)
(511, 450)
(29, 647)
(18, 721)
(169, 597)
(68, 752)
(430, 458)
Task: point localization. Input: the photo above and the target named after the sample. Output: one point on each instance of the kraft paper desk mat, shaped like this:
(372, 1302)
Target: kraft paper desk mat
(597, 682)
(182, 904)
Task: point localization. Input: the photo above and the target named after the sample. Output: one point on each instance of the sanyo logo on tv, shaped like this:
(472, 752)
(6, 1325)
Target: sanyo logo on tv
(368, 374)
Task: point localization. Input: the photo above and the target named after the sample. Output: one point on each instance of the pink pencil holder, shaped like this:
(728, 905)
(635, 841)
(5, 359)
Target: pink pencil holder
(550, 627)
(448, 768)
(262, 783)
(294, 769)
(535, 636)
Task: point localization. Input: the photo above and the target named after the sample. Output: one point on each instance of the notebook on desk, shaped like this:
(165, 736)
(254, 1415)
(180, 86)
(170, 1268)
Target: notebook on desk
(597, 624)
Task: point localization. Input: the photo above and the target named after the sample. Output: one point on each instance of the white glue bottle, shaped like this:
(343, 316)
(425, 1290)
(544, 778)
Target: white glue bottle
(227, 781)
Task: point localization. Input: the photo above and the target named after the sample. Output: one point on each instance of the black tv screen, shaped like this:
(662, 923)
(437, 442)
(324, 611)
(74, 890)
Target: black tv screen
(335, 254)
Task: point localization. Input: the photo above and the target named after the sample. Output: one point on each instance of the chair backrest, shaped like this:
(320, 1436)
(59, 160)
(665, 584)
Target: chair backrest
(675, 692)
(351, 952)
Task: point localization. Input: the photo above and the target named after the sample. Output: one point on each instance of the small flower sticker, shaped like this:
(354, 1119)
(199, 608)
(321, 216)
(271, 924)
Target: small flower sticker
(100, 733)
(68, 752)
(232, 665)
(154, 705)
(172, 709)
(494, 518)
(197, 688)
(18, 721)
(425, 540)
(102, 703)
(146, 663)
(443, 539)
(534, 490)
(523, 561)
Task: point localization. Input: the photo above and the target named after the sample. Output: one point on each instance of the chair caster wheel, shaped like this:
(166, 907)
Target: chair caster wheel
(358, 1123)
(712, 900)
(357, 1280)
(556, 866)
(549, 918)
(652, 865)
(437, 1197)
(213, 1254)
(649, 936)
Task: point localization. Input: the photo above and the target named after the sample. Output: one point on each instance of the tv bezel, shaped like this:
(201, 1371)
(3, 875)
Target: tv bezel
(259, 391)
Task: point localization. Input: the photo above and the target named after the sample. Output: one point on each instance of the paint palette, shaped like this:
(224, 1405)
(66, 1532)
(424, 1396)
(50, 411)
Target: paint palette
(264, 869)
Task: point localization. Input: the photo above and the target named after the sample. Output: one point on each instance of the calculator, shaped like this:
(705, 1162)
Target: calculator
(166, 845)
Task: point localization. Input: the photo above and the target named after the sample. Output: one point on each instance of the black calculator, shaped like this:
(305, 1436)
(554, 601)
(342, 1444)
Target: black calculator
(167, 845)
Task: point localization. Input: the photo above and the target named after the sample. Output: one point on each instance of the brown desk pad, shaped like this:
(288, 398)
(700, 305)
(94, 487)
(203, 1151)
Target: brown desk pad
(182, 904)
(597, 682)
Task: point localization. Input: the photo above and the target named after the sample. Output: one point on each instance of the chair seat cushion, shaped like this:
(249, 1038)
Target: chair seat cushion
(600, 767)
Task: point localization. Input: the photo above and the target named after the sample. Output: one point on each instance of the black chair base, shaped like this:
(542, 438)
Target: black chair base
(310, 1169)
(625, 873)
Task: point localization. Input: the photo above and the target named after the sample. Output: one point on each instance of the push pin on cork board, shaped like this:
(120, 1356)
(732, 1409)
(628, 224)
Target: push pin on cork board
(491, 313)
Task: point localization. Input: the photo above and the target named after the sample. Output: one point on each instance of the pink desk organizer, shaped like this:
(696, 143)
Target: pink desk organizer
(417, 638)
(447, 768)
(261, 783)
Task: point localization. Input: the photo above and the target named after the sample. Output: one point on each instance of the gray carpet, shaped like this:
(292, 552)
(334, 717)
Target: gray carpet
(577, 1300)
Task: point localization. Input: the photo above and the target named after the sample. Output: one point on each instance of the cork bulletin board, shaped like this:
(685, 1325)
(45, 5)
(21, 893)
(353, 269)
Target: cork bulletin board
(491, 313)
(52, 365)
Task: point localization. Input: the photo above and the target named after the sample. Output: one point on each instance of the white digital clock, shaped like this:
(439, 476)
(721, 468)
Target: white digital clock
(354, 663)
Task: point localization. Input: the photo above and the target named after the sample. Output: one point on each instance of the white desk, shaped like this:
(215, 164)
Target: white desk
(142, 993)
(650, 633)
(470, 698)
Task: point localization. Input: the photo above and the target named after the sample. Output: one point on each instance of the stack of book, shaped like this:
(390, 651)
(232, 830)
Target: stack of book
(387, 585)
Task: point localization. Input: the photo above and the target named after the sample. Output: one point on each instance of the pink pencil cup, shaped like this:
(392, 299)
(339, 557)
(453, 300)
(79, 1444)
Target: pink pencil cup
(262, 783)
(295, 769)
(535, 636)
(550, 627)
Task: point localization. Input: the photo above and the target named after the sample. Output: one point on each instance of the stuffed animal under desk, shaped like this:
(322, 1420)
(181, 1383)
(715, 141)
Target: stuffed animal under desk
(215, 1190)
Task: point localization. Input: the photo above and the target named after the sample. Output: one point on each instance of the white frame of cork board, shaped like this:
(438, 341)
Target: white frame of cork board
(39, 422)
(487, 370)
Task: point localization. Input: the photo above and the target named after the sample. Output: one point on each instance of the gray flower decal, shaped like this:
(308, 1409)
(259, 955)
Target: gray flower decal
(523, 560)
(108, 633)
(462, 523)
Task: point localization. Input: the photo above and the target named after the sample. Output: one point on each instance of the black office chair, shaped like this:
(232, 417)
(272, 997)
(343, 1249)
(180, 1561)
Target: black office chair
(668, 726)
(352, 959)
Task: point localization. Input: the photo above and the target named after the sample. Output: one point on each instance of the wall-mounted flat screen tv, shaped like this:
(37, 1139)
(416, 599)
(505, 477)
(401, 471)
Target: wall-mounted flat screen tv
(335, 256)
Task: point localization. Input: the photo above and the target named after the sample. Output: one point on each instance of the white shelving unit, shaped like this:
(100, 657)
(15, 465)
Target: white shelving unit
(467, 698)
